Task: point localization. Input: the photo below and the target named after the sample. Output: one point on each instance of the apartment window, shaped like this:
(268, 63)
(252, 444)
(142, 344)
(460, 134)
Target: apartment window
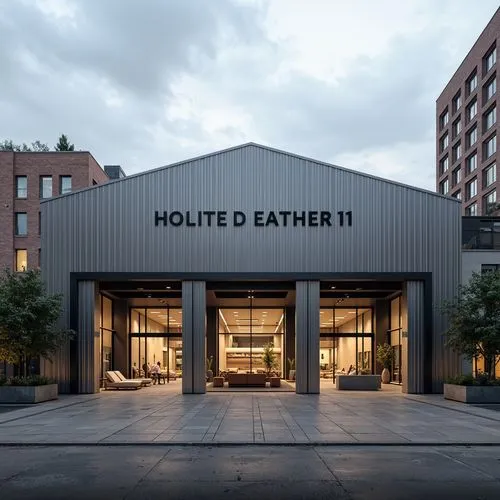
(471, 137)
(444, 187)
(443, 143)
(471, 163)
(21, 223)
(45, 186)
(471, 210)
(65, 184)
(471, 189)
(21, 260)
(472, 83)
(457, 151)
(486, 268)
(490, 59)
(490, 175)
(490, 147)
(457, 102)
(471, 110)
(443, 119)
(21, 186)
(456, 128)
(443, 165)
(490, 89)
(490, 118)
(490, 202)
(457, 176)
(457, 195)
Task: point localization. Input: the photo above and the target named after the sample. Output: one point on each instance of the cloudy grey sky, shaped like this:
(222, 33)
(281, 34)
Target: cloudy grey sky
(144, 83)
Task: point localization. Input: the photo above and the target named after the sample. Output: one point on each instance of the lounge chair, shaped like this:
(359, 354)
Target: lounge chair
(114, 382)
(143, 381)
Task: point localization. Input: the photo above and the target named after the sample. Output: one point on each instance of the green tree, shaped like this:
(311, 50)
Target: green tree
(474, 316)
(64, 144)
(9, 145)
(269, 358)
(28, 319)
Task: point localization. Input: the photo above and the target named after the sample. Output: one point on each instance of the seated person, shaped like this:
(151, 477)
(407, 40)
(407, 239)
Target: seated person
(352, 370)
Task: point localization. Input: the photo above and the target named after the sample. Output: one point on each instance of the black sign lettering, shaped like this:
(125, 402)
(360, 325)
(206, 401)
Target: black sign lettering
(261, 218)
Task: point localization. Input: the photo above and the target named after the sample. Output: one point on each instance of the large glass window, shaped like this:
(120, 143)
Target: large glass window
(490, 59)
(244, 334)
(490, 202)
(471, 110)
(471, 163)
(346, 341)
(156, 337)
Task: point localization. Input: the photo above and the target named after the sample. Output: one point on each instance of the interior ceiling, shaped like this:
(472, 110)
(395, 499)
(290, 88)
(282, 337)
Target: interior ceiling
(330, 317)
(258, 293)
(164, 316)
(261, 320)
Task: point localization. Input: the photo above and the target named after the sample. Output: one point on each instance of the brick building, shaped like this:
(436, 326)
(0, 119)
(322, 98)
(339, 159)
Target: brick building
(467, 128)
(25, 178)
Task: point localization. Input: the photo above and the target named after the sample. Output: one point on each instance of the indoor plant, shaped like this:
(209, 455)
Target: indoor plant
(291, 365)
(210, 373)
(269, 358)
(384, 357)
(28, 330)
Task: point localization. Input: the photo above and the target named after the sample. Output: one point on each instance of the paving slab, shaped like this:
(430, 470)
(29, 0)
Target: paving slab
(161, 414)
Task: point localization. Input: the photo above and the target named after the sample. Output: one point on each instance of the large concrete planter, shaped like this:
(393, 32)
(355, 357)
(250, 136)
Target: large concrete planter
(28, 394)
(357, 382)
(472, 393)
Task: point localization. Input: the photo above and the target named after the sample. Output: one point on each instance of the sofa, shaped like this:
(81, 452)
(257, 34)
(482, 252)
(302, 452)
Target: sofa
(246, 379)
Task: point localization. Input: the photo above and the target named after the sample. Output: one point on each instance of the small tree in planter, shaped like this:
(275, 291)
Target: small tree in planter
(210, 373)
(269, 358)
(291, 366)
(474, 320)
(384, 357)
(28, 321)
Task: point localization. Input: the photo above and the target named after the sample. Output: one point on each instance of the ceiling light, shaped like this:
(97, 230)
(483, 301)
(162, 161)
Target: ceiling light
(359, 288)
(168, 287)
(333, 287)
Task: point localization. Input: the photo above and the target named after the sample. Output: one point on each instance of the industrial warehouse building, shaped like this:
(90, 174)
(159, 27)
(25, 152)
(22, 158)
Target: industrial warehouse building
(219, 256)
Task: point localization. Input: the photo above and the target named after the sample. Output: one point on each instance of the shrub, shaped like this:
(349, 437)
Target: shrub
(482, 379)
(31, 380)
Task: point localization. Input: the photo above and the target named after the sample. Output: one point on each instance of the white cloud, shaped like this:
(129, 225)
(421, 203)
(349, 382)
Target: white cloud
(144, 84)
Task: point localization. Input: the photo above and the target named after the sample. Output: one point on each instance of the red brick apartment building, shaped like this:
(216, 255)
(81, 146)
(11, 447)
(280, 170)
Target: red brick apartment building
(25, 179)
(467, 128)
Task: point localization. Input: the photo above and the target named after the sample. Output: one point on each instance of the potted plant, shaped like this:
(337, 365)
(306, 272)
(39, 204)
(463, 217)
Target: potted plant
(291, 366)
(210, 373)
(269, 358)
(384, 357)
(28, 330)
(474, 331)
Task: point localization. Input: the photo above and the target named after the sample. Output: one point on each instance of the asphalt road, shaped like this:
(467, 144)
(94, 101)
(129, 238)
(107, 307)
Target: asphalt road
(250, 472)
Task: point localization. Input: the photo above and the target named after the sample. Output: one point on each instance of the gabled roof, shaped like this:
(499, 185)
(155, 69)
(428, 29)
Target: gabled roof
(266, 148)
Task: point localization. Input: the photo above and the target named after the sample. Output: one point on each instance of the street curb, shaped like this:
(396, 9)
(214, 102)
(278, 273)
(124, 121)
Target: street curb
(241, 443)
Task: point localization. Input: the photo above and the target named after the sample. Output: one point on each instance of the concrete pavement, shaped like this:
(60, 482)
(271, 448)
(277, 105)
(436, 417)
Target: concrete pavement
(250, 472)
(161, 415)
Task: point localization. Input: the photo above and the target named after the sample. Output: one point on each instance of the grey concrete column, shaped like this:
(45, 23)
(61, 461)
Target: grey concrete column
(88, 338)
(193, 337)
(212, 337)
(307, 337)
(416, 337)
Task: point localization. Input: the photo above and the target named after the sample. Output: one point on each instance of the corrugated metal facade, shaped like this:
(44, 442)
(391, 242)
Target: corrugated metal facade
(111, 228)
